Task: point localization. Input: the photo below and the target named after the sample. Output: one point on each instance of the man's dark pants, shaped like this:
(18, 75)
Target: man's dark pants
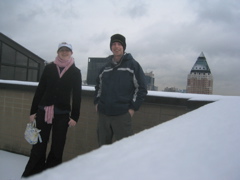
(118, 126)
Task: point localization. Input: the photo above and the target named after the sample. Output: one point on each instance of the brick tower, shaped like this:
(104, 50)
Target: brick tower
(200, 79)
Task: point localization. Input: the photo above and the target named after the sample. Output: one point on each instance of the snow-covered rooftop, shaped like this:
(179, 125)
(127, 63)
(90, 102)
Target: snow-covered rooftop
(200, 145)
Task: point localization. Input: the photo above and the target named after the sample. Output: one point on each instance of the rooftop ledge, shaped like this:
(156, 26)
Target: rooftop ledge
(189, 96)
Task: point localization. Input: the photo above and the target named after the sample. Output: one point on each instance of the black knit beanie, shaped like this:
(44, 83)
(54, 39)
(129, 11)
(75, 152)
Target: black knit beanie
(118, 38)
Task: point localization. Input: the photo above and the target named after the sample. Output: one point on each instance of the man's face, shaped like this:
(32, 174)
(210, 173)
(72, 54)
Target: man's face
(117, 49)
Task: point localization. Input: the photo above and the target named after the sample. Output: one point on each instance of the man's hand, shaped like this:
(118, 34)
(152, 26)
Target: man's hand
(131, 112)
(72, 123)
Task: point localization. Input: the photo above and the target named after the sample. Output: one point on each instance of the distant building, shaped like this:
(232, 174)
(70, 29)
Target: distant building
(174, 89)
(200, 79)
(94, 66)
(18, 63)
(150, 81)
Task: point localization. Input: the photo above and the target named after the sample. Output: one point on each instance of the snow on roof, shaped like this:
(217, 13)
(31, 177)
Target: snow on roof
(201, 145)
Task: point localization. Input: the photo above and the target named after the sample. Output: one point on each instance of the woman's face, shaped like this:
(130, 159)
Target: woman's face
(65, 53)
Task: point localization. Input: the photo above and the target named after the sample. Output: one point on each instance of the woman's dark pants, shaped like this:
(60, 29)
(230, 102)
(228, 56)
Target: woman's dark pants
(38, 162)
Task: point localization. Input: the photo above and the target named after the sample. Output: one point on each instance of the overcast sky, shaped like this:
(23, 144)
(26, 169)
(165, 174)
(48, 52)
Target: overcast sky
(165, 37)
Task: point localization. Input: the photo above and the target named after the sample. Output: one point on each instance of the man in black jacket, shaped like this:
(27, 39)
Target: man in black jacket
(119, 92)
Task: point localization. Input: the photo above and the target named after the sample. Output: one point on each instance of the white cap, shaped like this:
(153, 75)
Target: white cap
(64, 44)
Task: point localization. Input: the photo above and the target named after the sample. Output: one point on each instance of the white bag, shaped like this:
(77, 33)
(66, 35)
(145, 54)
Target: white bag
(32, 134)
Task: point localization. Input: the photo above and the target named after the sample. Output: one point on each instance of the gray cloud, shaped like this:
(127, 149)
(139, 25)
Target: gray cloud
(137, 9)
(226, 12)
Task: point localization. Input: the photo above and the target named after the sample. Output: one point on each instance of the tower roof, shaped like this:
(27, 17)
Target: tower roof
(201, 65)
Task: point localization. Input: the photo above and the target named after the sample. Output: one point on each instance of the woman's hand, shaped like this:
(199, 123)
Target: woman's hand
(72, 123)
(32, 117)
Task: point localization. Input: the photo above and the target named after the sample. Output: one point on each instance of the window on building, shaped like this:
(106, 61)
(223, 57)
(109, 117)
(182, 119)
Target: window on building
(15, 65)
(32, 74)
(8, 55)
(32, 63)
(20, 74)
(7, 72)
(21, 59)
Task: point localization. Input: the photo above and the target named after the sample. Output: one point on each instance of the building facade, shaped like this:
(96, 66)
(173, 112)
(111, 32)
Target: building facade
(94, 66)
(150, 81)
(18, 63)
(200, 79)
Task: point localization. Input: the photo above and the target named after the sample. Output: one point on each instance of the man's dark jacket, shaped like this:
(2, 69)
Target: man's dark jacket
(53, 90)
(120, 87)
